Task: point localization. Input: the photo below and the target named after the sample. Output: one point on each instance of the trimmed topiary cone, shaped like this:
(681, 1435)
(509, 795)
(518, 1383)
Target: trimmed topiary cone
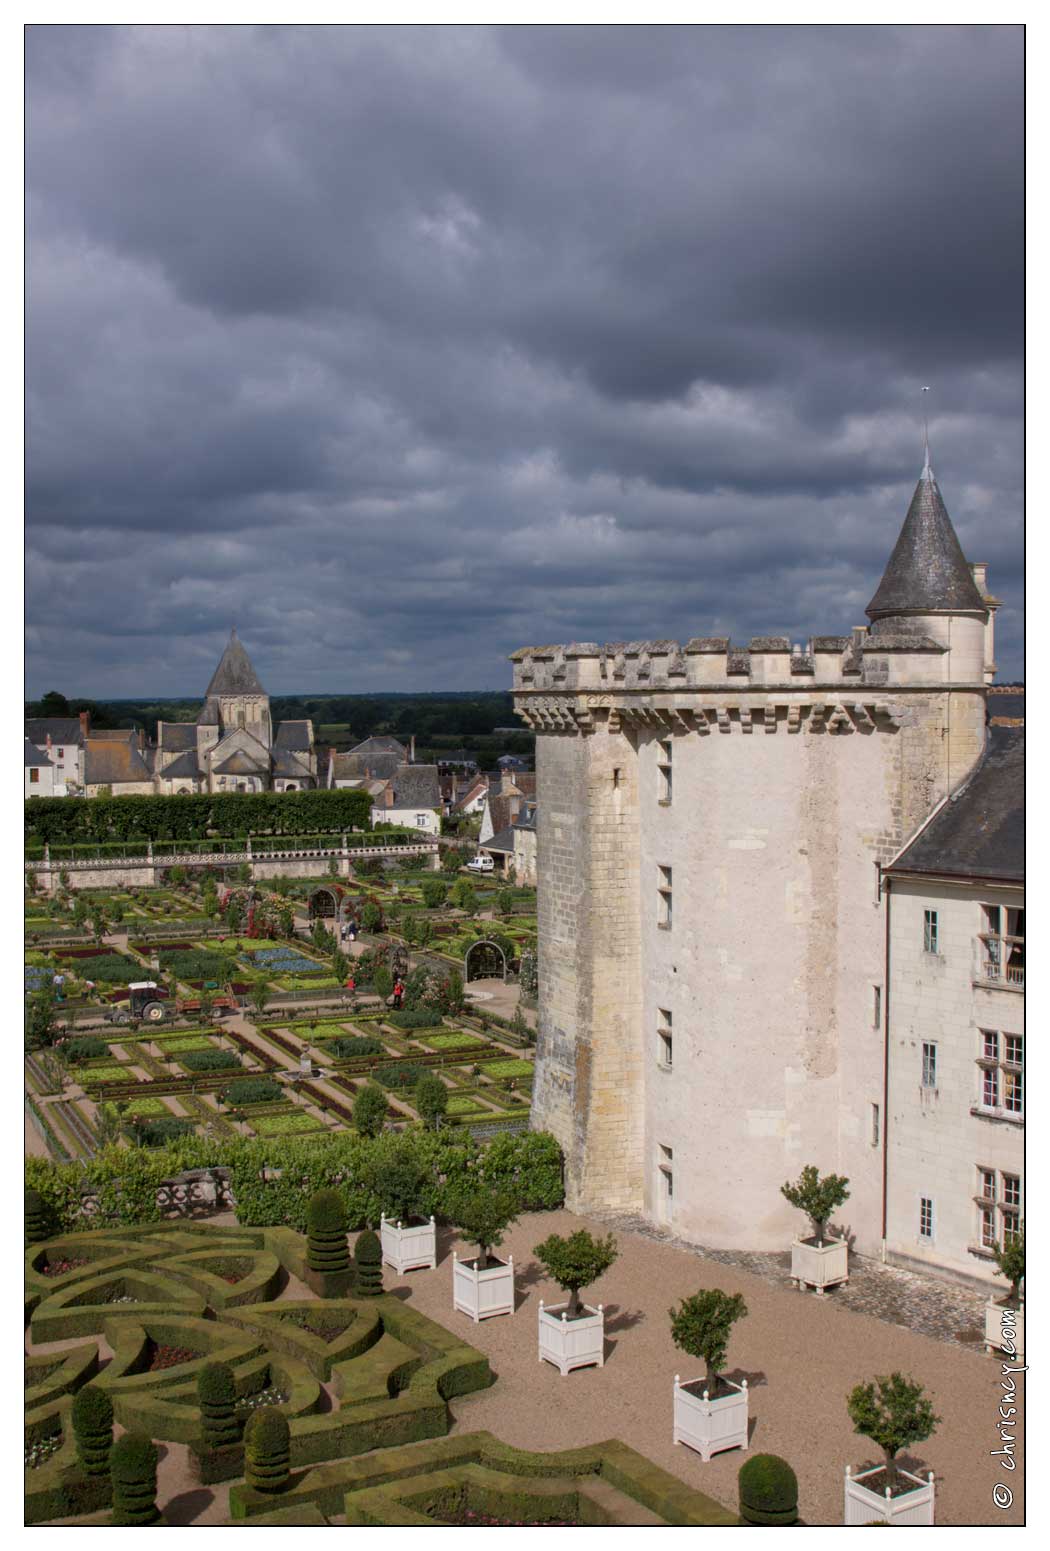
(267, 1450)
(93, 1429)
(368, 1265)
(36, 1217)
(768, 1490)
(326, 1246)
(217, 1397)
(133, 1468)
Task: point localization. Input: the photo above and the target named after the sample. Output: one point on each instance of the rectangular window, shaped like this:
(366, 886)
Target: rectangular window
(875, 1122)
(60, 753)
(422, 819)
(1013, 1092)
(925, 1217)
(616, 777)
(1013, 1049)
(990, 1087)
(664, 892)
(664, 1047)
(664, 772)
(929, 931)
(929, 1064)
(1012, 1192)
(986, 1184)
(876, 1011)
(1000, 1073)
(666, 1160)
(34, 775)
(989, 1046)
(986, 1227)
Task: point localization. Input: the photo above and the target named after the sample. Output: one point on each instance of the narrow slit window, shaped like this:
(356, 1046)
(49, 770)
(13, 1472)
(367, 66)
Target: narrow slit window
(929, 1064)
(925, 1217)
(929, 931)
(664, 894)
(664, 1040)
(876, 1008)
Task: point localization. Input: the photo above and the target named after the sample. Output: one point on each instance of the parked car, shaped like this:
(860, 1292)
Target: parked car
(481, 864)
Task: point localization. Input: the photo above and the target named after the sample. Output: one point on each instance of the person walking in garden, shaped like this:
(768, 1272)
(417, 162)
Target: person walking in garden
(351, 983)
(399, 992)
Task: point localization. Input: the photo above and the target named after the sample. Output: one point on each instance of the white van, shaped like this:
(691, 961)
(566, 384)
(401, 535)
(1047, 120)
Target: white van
(481, 864)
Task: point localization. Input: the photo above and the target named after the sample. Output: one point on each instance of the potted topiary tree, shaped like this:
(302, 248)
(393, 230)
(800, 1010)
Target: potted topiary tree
(893, 1412)
(818, 1262)
(328, 1270)
(409, 1240)
(484, 1285)
(133, 1471)
(710, 1414)
(768, 1490)
(1004, 1317)
(572, 1335)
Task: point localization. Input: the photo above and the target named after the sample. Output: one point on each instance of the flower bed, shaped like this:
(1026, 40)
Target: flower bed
(450, 1041)
(286, 961)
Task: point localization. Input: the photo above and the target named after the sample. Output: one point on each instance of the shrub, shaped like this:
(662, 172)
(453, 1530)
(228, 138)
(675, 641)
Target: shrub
(369, 1110)
(253, 1090)
(217, 1397)
(382, 980)
(1010, 1263)
(893, 1412)
(576, 1261)
(85, 1049)
(345, 1047)
(414, 1020)
(133, 1468)
(36, 1218)
(93, 1428)
(483, 1215)
(817, 1197)
(368, 1265)
(701, 1326)
(371, 921)
(430, 1098)
(267, 1450)
(768, 1490)
(434, 893)
(160, 1131)
(210, 1060)
(397, 1075)
(398, 1180)
(326, 1247)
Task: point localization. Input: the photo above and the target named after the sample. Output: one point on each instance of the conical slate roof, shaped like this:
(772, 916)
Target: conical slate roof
(235, 674)
(927, 572)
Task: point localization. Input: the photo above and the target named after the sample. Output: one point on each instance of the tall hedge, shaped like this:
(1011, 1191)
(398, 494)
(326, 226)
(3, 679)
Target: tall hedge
(527, 1164)
(236, 814)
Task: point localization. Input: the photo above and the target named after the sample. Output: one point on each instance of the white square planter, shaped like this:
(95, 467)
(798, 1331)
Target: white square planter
(482, 1293)
(709, 1426)
(572, 1343)
(863, 1505)
(997, 1334)
(819, 1265)
(408, 1248)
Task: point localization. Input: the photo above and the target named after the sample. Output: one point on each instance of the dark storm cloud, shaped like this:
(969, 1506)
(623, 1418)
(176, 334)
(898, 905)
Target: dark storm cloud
(407, 347)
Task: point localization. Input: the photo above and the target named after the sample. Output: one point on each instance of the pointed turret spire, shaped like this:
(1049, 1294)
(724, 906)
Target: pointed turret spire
(235, 674)
(927, 573)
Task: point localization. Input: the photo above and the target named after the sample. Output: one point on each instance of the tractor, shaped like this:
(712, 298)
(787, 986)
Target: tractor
(151, 1003)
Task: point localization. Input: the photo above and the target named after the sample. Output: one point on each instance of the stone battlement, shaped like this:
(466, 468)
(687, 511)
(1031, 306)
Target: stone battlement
(863, 657)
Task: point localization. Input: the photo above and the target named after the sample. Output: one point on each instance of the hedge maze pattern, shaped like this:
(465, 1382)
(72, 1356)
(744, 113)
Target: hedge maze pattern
(170, 1300)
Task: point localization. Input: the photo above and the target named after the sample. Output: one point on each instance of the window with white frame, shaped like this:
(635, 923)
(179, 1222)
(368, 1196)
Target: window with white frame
(664, 895)
(929, 931)
(664, 1042)
(422, 820)
(929, 1063)
(998, 1203)
(1000, 1073)
(1010, 1207)
(925, 1217)
(1002, 944)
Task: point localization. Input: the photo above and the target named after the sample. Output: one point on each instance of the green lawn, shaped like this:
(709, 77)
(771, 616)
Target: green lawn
(284, 1125)
(147, 1107)
(450, 1041)
(509, 1068)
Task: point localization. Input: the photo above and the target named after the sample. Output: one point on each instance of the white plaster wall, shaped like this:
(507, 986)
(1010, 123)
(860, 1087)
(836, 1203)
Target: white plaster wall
(935, 1144)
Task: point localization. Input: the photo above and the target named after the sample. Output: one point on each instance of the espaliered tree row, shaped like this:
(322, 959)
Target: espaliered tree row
(197, 817)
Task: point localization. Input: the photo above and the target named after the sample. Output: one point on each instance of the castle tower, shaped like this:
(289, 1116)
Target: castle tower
(711, 935)
(235, 697)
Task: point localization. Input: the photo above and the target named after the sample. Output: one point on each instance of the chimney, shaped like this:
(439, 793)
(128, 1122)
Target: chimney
(411, 748)
(979, 572)
(85, 723)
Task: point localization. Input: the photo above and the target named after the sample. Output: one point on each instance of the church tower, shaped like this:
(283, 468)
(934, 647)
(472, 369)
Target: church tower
(235, 698)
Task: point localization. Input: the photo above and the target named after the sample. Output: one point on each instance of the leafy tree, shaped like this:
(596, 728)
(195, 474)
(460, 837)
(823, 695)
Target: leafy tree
(484, 1215)
(893, 1412)
(54, 704)
(576, 1261)
(383, 982)
(333, 867)
(207, 1001)
(465, 897)
(340, 965)
(371, 916)
(369, 1110)
(109, 1124)
(258, 996)
(80, 911)
(1010, 1261)
(430, 1099)
(233, 915)
(505, 902)
(32, 881)
(398, 1180)
(434, 892)
(286, 920)
(178, 875)
(40, 1018)
(450, 861)
(455, 997)
(701, 1326)
(243, 872)
(817, 1197)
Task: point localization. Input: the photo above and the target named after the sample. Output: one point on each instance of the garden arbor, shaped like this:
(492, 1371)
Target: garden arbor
(484, 960)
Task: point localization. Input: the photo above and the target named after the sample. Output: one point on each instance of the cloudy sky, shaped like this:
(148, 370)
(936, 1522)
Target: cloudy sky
(404, 348)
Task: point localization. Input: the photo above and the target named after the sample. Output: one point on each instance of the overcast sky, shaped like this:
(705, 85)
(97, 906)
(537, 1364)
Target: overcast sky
(403, 348)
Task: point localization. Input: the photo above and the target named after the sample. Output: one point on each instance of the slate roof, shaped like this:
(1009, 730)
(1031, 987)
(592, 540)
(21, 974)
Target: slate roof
(235, 674)
(416, 786)
(381, 746)
(503, 842)
(240, 762)
(60, 729)
(364, 767)
(33, 756)
(182, 766)
(293, 735)
(177, 735)
(287, 765)
(209, 714)
(979, 832)
(114, 761)
(927, 571)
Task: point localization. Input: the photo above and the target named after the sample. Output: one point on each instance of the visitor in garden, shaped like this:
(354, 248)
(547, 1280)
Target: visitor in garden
(399, 993)
(351, 983)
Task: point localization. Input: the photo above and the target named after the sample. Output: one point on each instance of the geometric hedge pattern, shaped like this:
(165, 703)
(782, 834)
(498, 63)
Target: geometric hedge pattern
(169, 1299)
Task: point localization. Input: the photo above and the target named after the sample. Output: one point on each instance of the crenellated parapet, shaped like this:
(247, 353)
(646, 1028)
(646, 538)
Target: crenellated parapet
(709, 662)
